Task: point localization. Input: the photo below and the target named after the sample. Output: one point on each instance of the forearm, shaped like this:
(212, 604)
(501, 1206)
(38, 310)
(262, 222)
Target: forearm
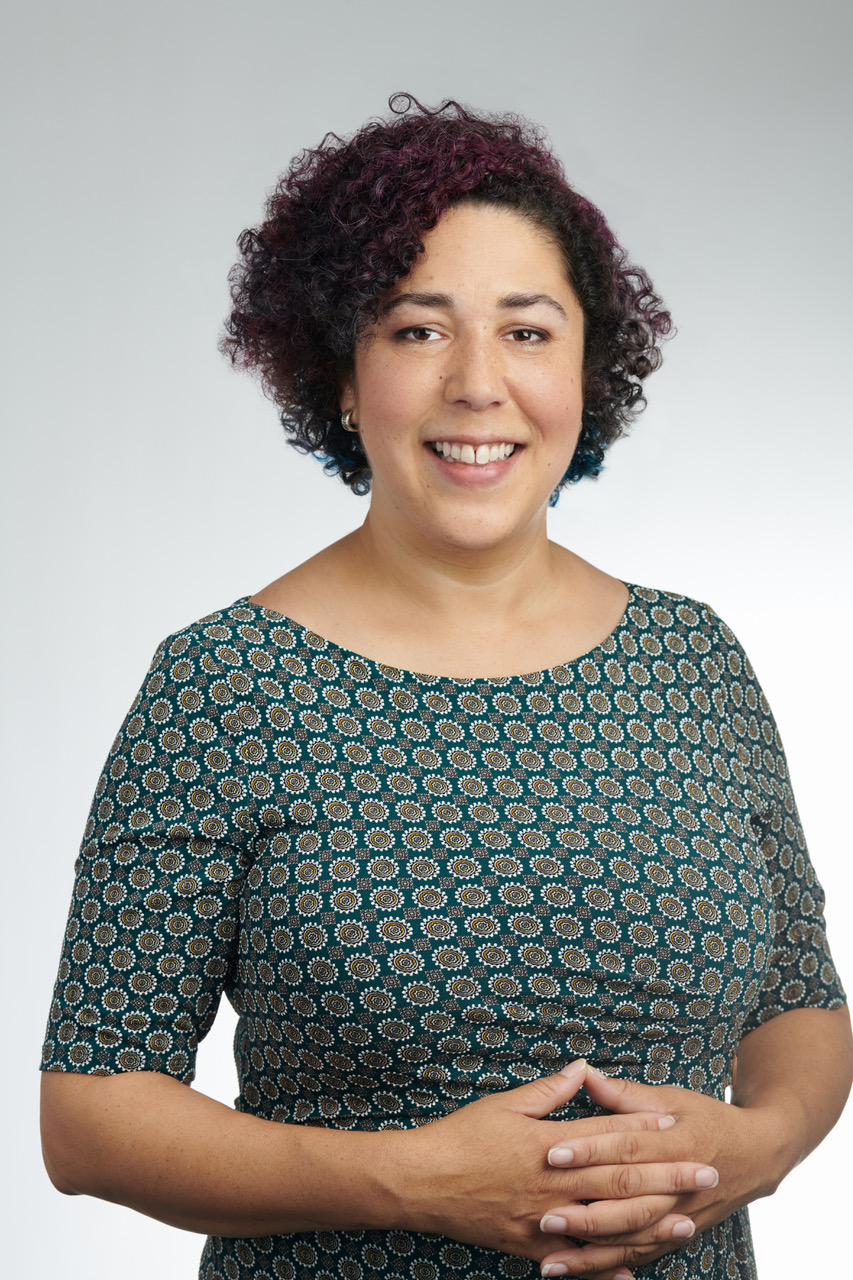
(153, 1144)
(480, 1175)
(793, 1076)
(796, 1072)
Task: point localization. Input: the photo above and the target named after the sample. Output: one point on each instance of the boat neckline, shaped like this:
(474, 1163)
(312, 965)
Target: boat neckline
(386, 668)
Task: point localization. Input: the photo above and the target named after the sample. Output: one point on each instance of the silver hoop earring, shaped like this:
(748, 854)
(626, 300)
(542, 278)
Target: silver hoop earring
(345, 421)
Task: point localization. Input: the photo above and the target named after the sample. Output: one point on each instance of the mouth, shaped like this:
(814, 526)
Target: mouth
(472, 455)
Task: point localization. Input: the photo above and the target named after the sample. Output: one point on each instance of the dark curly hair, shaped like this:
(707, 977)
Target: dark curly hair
(347, 221)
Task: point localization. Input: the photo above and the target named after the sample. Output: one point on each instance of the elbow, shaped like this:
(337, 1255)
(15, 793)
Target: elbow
(846, 1048)
(57, 1155)
(64, 1141)
(59, 1175)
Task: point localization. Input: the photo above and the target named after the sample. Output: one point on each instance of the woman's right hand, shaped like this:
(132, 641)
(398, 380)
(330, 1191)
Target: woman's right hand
(481, 1174)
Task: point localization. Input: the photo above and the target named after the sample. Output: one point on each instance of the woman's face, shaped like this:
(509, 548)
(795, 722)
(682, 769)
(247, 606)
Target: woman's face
(468, 391)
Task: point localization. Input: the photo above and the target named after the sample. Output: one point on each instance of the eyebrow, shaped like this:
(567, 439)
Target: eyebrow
(511, 301)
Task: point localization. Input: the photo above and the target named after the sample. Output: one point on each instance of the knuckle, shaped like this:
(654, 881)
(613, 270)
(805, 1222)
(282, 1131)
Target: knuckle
(585, 1226)
(592, 1154)
(644, 1215)
(631, 1147)
(536, 1089)
(625, 1181)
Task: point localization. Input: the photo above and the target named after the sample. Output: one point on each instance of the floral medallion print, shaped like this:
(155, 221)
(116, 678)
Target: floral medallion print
(416, 891)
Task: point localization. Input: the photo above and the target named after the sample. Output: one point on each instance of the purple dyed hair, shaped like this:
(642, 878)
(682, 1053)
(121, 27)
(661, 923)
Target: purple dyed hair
(347, 221)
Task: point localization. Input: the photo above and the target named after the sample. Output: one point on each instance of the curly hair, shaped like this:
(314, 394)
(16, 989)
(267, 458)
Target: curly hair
(346, 222)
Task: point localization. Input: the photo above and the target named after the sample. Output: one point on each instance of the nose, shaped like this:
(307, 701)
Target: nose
(475, 377)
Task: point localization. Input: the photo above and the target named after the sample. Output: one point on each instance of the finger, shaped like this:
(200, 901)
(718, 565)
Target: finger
(643, 1220)
(621, 1273)
(609, 1217)
(557, 1269)
(632, 1122)
(630, 1146)
(550, 1268)
(617, 1094)
(593, 1259)
(624, 1181)
(540, 1097)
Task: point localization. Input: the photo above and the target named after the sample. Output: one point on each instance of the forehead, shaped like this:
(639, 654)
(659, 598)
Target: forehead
(487, 244)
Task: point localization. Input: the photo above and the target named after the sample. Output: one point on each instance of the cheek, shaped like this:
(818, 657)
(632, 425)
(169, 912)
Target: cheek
(557, 405)
(390, 392)
(388, 406)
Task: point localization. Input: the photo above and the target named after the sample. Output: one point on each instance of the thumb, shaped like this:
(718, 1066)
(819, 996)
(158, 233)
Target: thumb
(542, 1096)
(622, 1095)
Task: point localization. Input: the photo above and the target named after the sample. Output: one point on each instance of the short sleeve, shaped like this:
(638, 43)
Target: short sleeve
(153, 922)
(800, 972)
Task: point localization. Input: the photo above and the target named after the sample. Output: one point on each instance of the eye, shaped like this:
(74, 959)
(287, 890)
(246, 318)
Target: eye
(418, 333)
(531, 337)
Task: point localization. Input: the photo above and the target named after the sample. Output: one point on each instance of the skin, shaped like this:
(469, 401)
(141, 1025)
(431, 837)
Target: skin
(452, 573)
(751, 1145)
(480, 1175)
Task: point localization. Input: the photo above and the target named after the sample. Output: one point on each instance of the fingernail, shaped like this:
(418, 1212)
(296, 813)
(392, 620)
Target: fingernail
(683, 1230)
(555, 1269)
(623, 1275)
(666, 1122)
(707, 1177)
(561, 1156)
(552, 1223)
(571, 1070)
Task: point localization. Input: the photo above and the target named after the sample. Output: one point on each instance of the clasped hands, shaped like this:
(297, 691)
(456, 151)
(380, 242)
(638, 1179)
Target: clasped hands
(631, 1185)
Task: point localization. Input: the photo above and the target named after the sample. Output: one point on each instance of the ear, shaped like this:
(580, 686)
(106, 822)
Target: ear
(346, 395)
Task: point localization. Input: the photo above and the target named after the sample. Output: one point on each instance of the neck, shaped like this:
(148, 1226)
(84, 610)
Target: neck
(455, 589)
(517, 605)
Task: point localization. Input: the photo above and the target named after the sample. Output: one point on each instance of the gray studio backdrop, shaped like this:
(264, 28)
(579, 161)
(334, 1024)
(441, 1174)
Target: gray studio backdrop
(146, 484)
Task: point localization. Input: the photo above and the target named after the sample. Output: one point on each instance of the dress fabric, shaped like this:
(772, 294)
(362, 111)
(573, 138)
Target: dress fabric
(417, 890)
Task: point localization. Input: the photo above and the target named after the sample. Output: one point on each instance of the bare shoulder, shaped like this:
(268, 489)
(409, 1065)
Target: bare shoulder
(596, 598)
(316, 592)
(558, 614)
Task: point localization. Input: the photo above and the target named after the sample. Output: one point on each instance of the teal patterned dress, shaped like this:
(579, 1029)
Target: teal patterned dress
(417, 890)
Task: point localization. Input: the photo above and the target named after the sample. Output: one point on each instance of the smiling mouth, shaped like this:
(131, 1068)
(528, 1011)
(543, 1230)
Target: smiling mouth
(471, 456)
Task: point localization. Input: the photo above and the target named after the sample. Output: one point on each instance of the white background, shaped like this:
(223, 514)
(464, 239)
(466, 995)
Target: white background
(147, 484)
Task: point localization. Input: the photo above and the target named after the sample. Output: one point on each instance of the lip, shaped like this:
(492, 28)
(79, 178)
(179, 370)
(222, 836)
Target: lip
(473, 476)
(474, 441)
(469, 442)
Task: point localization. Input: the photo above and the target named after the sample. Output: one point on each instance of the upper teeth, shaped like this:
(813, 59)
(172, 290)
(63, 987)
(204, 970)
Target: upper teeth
(467, 453)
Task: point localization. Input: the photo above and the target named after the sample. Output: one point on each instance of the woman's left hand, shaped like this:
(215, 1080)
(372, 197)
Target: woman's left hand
(744, 1145)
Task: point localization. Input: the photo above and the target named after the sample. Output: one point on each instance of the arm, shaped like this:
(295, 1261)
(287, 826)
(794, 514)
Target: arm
(752, 1144)
(149, 1142)
(480, 1174)
(769, 1079)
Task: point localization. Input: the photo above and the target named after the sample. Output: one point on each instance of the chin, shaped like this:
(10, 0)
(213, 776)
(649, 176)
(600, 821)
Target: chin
(477, 533)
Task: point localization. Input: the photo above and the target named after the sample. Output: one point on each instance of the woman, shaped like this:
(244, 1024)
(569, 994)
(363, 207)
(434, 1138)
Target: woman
(441, 902)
